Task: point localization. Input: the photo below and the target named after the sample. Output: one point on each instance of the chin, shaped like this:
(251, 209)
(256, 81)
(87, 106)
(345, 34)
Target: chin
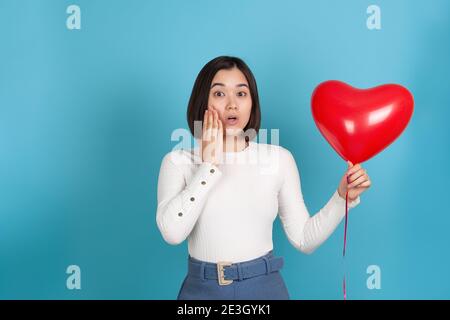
(233, 129)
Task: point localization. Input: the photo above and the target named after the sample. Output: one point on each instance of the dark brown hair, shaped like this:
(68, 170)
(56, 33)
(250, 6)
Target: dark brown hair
(198, 101)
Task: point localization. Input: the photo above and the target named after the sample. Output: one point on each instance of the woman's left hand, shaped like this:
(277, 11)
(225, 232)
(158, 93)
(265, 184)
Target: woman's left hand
(355, 180)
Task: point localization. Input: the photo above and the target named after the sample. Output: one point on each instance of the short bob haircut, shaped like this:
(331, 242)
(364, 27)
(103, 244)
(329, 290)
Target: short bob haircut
(198, 102)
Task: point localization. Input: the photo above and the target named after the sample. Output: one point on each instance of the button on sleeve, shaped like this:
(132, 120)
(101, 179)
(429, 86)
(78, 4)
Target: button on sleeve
(180, 204)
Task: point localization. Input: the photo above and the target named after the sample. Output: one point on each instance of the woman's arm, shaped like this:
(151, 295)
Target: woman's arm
(304, 232)
(180, 205)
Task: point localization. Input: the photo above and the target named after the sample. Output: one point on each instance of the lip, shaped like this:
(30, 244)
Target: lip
(231, 122)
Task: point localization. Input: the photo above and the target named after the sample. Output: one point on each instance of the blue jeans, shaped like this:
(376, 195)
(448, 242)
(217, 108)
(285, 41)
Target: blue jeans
(257, 279)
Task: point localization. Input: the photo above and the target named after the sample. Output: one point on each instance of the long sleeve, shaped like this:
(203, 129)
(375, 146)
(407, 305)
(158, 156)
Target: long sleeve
(180, 204)
(304, 232)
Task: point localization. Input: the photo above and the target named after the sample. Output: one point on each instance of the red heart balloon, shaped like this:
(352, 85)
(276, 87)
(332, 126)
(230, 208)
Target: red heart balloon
(359, 123)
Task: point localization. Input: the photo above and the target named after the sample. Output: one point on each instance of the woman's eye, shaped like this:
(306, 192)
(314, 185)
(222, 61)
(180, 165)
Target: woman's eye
(242, 94)
(219, 93)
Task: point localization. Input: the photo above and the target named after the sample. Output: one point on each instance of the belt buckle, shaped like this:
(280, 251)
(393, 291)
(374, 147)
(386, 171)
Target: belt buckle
(221, 273)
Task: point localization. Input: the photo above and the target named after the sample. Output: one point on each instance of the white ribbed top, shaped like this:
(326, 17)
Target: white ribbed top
(227, 211)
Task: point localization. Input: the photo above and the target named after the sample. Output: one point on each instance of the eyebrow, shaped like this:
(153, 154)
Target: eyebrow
(221, 84)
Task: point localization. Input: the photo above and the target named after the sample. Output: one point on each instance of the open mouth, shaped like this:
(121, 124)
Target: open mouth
(232, 120)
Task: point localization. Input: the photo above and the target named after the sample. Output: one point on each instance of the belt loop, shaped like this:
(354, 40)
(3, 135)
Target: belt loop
(239, 272)
(202, 271)
(266, 260)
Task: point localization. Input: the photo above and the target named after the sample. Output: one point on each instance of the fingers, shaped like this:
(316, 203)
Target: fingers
(216, 118)
(207, 126)
(220, 129)
(350, 164)
(218, 133)
(210, 118)
(212, 136)
(361, 181)
(365, 184)
(215, 124)
(353, 169)
(356, 182)
(205, 118)
(356, 175)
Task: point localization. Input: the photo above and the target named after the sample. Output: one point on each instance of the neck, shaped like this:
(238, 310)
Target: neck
(234, 143)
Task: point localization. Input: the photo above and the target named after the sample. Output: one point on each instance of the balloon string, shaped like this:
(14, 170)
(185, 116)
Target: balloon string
(345, 242)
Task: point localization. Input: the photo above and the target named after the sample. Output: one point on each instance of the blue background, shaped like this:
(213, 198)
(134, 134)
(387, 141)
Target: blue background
(87, 115)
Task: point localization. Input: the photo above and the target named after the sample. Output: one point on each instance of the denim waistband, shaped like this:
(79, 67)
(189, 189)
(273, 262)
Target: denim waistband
(236, 271)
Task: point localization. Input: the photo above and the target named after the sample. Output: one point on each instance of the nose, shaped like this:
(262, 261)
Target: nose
(231, 105)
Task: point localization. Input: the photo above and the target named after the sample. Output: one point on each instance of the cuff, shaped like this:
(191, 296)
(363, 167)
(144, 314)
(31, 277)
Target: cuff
(341, 201)
(204, 180)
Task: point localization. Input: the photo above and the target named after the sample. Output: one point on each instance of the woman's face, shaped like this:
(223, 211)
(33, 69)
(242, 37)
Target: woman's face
(230, 96)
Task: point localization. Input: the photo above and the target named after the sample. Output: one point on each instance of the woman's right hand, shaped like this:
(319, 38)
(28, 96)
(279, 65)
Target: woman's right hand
(212, 137)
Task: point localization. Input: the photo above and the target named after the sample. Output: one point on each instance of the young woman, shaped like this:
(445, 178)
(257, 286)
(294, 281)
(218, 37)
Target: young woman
(224, 195)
